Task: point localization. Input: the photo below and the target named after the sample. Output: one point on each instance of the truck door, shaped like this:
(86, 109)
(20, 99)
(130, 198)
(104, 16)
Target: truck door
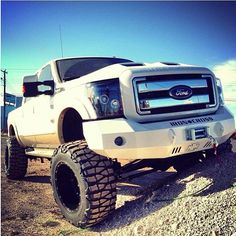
(25, 122)
(45, 125)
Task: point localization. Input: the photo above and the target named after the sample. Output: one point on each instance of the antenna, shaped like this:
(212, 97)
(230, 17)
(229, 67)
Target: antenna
(61, 40)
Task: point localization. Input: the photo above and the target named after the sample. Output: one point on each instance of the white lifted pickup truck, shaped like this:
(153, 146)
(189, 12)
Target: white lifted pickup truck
(86, 114)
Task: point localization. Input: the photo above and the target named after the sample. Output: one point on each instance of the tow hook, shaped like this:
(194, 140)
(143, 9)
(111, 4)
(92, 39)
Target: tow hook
(214, 144)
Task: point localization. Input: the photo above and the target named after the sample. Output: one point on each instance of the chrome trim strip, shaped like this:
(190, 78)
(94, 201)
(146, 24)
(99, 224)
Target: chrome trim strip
(170, 102)
(166, 85)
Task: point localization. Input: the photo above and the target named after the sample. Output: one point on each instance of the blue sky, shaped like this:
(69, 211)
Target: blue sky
(201, 33)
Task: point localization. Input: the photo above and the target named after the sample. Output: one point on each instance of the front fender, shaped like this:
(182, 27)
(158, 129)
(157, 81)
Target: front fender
(69, 104)
(11, 124)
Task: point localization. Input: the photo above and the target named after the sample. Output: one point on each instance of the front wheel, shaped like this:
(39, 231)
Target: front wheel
(83, 184)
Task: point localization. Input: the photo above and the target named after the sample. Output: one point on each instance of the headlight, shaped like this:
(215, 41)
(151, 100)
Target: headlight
(220, 92)
(105, 98)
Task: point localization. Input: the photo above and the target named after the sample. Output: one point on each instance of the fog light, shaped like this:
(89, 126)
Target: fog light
(219, 129)
(119, 141)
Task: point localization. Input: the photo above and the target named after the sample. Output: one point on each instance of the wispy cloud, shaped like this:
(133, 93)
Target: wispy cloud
(226, 71)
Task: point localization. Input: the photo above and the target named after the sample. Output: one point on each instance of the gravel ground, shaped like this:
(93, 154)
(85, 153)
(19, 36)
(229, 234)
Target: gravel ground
(198, 201)
(201, 201)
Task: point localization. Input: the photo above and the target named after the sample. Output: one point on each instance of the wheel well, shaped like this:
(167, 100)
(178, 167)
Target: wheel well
(72, 128)
(11, 131)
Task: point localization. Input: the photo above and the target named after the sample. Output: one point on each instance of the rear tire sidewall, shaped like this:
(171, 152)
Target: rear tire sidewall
(77, 215)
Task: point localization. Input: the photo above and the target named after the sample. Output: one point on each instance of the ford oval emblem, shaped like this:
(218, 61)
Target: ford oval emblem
(181, 92)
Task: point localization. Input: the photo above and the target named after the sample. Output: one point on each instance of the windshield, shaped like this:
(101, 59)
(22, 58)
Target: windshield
(70, 69)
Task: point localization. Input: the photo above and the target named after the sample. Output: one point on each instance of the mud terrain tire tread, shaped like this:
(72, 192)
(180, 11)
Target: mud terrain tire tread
(16, 162)
(97, 174)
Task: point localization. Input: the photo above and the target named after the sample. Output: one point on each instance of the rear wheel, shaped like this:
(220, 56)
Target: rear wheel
(83, 184)
(16, 161)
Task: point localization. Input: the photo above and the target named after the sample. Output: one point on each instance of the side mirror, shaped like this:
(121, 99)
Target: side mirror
(30, 89)
(33, 89)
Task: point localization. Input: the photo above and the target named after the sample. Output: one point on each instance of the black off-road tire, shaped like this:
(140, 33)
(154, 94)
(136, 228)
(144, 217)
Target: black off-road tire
(16, 162)
(83, 184)
(223, 148)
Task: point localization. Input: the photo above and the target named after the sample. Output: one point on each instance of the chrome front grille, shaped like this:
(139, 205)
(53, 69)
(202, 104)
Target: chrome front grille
(153, 93)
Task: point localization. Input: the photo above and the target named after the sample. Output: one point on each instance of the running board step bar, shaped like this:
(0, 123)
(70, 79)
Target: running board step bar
(39, 152)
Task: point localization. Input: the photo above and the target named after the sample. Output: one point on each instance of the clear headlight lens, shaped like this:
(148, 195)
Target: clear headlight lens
(220, 92)
(105, 98)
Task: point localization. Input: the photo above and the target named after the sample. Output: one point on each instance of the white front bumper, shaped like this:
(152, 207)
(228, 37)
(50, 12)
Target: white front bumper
(156, 140)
